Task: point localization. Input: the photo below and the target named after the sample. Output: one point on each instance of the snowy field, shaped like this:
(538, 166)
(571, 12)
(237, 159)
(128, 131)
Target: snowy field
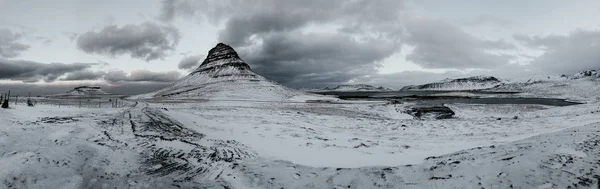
(293, 144)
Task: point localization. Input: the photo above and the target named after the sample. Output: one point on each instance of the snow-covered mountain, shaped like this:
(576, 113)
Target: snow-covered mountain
(461, 84)
(357, 87)
(223, 75)
(82, 92)
(86, 91)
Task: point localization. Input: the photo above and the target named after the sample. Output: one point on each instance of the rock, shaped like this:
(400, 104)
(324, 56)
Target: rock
(435, 112)
(395, 102)
(516, 117)
(587, 74)
(498, 118)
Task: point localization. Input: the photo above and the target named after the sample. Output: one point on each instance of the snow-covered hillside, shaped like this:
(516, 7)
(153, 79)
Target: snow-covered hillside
(461, 84)
(582, 89)
(224, 76)
(356, 87)
(587, 74)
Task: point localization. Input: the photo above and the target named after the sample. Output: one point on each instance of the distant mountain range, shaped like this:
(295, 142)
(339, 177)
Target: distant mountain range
(85, 92)
(461, 84)
(356, 87)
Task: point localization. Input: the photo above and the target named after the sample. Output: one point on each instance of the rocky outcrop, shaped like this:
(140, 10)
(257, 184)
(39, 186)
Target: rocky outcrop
(587, 74)
(432, 112)
(461, 84)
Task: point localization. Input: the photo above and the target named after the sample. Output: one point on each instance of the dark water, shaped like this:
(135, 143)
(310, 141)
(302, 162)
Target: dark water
(429, 98)
(539, 101)
(392, 94)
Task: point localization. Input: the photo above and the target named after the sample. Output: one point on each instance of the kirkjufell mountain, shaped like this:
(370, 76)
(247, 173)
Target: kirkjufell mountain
(223, 75)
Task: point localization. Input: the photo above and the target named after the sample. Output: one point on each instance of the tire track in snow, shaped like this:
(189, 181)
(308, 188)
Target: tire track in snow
(169, 149)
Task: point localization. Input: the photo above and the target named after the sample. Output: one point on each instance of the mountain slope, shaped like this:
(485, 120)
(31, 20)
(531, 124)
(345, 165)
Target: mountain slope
(470, 83)
(223, 75)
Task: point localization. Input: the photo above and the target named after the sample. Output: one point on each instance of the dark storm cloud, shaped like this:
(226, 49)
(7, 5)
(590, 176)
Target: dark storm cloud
(116, 76)
(190, 62)
(147, 41)
(438, 44)
(284, 40)
(29, 71)
(567, 54)
(83, 75)
(300, 59)
(10, 46)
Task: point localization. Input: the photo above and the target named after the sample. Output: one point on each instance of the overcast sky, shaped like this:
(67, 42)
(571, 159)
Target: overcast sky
(138, 46)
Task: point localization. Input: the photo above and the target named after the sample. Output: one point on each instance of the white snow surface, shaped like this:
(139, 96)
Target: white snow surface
(220, 139)
(266, 144)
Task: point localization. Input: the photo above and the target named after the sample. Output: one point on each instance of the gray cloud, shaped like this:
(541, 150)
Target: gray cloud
(570, 53)
(116, 76)
(489, 19)
(317, 59)
(438, 44)
(29, 71)
(167, 11)
(83, 75)
(71, 35)
(9, 44)
(190, 62)
(283, 40)
(147, 41)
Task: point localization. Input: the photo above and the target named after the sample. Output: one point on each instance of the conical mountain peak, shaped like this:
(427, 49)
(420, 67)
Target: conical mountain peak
(224, 75)
(222, 56)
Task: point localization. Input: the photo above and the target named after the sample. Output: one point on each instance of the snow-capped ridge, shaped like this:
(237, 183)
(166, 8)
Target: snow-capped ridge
(357, 87)
(86, 91)
(460, 84)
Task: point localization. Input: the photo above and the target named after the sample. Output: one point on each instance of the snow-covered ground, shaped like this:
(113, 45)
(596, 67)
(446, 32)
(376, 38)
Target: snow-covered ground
(293, 144)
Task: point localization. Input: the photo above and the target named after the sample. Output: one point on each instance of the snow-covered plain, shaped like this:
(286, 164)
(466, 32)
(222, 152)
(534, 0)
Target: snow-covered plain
(293, 144)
